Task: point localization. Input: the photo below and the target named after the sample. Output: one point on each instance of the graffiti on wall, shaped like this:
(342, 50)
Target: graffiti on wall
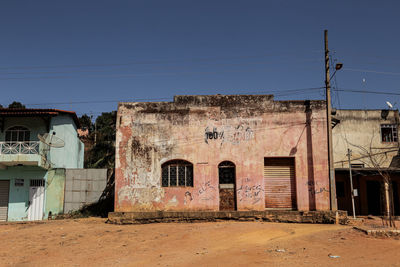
(253, 193)
(314, 188)
(206, 192)
(228, 133)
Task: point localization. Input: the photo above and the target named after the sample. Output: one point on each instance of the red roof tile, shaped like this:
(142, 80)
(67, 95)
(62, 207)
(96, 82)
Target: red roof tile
(32, 112)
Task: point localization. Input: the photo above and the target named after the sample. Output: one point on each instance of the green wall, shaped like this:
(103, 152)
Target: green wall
(71, 155)
(55, 185)
(19, 195)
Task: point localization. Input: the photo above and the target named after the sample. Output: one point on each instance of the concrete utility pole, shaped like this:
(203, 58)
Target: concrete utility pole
(351, 183)
(332, 182)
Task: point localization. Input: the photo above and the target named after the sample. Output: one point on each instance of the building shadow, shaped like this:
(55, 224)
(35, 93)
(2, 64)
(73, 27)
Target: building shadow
(310, 158)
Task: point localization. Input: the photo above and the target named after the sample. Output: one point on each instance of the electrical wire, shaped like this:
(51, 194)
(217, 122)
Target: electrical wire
(373, 71)
(287, 91)
(144, 62)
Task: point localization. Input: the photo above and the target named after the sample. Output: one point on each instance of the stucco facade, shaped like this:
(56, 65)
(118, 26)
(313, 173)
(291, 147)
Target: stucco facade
(205, 131)
(27, 163)
(372, 137)
(360, 131)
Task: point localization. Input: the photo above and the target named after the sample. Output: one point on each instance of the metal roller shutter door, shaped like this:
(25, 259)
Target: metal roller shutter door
(280, 183)
(4, 188)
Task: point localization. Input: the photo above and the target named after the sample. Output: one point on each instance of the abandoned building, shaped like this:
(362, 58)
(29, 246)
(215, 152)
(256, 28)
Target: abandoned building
(221, 152)
(372, 137)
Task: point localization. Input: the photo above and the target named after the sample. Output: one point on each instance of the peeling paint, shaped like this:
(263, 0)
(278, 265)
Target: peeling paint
(206, 130)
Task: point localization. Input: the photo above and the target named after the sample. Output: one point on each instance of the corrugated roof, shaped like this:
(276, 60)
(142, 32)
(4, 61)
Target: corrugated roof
(32, 112)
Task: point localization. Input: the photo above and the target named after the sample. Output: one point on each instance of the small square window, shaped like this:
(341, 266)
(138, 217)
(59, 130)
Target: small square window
(389, 133)
(19, 182)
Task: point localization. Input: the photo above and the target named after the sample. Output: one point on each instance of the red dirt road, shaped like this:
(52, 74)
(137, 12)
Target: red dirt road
(92, 242)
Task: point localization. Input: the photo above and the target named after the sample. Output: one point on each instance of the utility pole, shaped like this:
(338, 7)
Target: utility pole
(351, 183)
(332, 182)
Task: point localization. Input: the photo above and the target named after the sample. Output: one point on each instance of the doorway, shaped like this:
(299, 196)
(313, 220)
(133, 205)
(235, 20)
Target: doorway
(396, 198)
(280, 183)
(374, 197)
(36, 200)
(227, 186)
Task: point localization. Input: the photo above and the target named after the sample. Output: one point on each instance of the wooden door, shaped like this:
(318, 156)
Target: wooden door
(227, 186)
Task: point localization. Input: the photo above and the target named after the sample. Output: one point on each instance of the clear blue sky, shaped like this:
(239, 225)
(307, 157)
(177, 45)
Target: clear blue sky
(71, 51)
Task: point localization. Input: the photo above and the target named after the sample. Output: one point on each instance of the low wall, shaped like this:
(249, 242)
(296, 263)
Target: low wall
(325, 217)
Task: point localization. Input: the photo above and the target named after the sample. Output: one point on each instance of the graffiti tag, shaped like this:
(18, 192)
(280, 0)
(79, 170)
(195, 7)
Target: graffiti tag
(254, 193)
(230, 134)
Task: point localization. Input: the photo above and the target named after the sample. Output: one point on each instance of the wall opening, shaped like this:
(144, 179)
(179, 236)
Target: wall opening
(280, 183)
(227, 185)
(374, 197)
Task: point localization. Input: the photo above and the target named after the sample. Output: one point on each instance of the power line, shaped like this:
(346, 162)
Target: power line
(279, 93)
(122, 69)
(372, 71)
(367, 92)
(130, 75)
(99, 101)
(144, 62)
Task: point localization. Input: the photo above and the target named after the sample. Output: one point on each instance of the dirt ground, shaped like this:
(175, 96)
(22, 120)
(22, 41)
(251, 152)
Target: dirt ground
(92, 242)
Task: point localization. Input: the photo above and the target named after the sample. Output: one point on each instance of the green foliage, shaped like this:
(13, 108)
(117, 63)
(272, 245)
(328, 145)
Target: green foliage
(102, 153)
(86, 122)
(16, 104)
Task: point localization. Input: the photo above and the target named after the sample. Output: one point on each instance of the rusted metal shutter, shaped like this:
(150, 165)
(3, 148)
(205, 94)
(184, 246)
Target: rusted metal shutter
(280, 183)
(4, 188)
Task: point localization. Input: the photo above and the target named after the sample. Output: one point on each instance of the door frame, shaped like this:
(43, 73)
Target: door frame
(233, 166)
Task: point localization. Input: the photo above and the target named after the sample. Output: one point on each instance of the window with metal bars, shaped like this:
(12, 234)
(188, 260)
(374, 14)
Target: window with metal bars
(177, 173)
(37, 182)
(18, 134)
(389, 133)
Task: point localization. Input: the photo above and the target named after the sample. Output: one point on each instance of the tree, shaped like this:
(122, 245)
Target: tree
(376, 158)
(86, 122)
(16, 104)
(102, 153)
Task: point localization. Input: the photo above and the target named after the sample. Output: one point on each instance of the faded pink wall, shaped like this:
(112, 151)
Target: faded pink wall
(148, 138)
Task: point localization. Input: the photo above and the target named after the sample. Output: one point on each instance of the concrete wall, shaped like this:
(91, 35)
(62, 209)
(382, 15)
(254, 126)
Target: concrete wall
(19, 196)
(360, 130)
(71, 155)
(249, 129)
(83, 186)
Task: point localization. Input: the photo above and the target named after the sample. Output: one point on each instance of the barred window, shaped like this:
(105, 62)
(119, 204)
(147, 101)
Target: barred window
(17, 134)
(389, 133)
(177, 173)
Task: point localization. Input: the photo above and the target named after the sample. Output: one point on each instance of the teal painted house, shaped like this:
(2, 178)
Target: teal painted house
(36, 148)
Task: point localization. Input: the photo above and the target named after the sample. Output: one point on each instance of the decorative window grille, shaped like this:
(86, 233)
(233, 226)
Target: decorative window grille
(177, 173)
(389, 133)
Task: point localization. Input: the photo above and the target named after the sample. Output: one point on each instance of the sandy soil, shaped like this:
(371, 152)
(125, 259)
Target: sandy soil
(92, 242)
